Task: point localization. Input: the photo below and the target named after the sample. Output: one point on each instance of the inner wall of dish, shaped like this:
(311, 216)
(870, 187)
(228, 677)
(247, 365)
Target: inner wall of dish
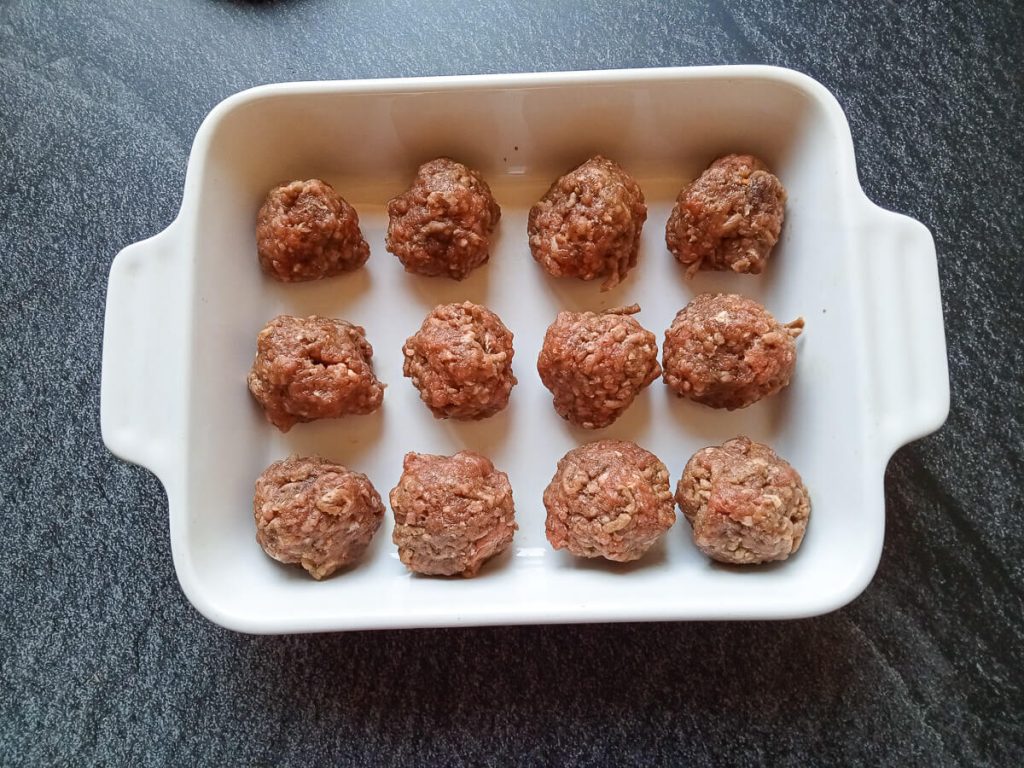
(368, 146)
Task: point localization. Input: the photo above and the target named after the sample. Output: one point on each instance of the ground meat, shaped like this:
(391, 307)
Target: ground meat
(313, 368)
(729, 217)
(727, 351)
(305, 231)
(596, 364)
(610, 499)
(442, 224)
(746, 505)
(315, 513)
(452, 513)
(588, 223)
(461, 361)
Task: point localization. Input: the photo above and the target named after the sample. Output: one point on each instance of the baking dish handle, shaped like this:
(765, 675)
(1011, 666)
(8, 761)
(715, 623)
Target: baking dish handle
(905, 328)
(141, 391)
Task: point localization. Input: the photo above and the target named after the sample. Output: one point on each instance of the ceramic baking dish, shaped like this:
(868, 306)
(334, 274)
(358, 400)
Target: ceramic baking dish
(184, 308)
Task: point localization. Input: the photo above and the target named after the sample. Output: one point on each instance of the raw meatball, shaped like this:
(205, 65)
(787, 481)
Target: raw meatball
(313, 368)
(588, 223)
(305, 231)
(315, 513)
(452, 513)
(610, 499)
(461, 361)
(727, 351)
(595, 364)
(729, 217)
(442, 224)
(746, 505)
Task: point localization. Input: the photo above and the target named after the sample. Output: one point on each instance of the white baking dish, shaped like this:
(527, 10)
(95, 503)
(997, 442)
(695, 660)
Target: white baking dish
(184, 308)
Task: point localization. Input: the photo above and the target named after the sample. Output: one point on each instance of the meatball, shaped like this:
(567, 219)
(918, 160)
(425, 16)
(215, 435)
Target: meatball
(595, 364)
(729, 217)
(461, 362)
(305, 231)
(610, 499)
(588, 223)
(727, 351)
(313, 368)
(452, 513)
(315, 513)
(442, 224)
(746, 505)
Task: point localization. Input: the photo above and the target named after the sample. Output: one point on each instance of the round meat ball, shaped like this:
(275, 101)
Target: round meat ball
(727, 351)
(729, 217)
(610, 499)
(745, 504)
(313, 368)
(595, 364)
(315, 513)
(461, 362)
(305, 230)
(588, 223)
(452, 513)
(442, 224)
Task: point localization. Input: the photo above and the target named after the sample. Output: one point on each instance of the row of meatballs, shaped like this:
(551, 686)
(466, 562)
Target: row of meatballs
(722, 350)
(608, 498)
(586, 226)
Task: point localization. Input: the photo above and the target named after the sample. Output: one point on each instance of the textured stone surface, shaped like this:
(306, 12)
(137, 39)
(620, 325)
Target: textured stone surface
(103, 660)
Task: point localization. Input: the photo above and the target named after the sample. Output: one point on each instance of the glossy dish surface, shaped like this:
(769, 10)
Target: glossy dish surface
(184, 308)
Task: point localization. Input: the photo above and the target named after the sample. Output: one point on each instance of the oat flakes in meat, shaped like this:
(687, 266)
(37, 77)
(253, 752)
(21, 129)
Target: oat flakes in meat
(442, 225)
(452, 513)
(460, 360)
(313, 368)
(595, 364)
(315, 513)
(727, 351)
(745, 504)
(610, 499)
(588, 223)
(305, 230)
(729, 217)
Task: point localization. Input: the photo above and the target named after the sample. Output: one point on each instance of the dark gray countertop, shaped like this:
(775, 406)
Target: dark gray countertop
(103, 659)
